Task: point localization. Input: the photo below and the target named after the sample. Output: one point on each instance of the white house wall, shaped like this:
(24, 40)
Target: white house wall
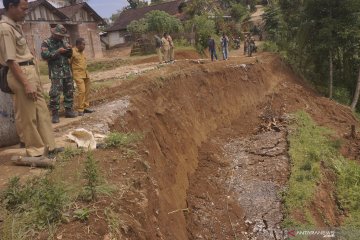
(115, 39)
(83, 16)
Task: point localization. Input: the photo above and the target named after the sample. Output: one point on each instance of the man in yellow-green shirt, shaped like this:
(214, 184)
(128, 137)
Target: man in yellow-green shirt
(81, 77)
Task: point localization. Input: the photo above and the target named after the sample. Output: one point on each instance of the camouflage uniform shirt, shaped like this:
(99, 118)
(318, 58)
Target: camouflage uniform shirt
(59, 66)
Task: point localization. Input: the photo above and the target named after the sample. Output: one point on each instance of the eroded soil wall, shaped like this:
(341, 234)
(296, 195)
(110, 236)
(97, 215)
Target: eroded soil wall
(179, 111)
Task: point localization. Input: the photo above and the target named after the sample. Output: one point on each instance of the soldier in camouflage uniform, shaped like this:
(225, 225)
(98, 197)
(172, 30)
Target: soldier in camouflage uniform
(57, 52)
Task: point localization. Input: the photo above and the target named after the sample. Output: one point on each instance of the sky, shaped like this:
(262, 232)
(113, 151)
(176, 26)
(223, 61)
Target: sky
(105, 8)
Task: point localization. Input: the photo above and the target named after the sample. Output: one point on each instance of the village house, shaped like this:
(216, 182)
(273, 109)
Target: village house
(80, 20)
(117, 34)
(84, 22)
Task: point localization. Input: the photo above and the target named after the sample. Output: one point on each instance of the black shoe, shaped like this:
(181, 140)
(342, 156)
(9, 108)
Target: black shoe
(52, 153)
(100, 146)
(55, 117)
(87, 110)
(22, 145)
(80, 114)
(69, 113)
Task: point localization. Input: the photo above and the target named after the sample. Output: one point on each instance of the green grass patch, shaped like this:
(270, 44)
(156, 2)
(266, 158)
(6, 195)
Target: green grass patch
(342, 95)
(30, 207)
(70, 153)
(309, 145)
(93, 66)
(348, 189)
(269, 46)
(103, 65)
(357, 115)
(182, 43)
(41, 203)
(97, 86)
(122, 140)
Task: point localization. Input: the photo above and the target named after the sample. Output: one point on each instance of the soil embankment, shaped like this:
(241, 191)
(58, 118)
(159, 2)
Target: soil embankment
(179, 111)
(211, 165)
(208, 153)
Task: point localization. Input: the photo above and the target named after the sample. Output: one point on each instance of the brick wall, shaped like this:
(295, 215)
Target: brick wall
(90, 32)
(36, 32)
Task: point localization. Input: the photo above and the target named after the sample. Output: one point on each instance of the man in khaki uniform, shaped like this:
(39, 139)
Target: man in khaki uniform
(81, 77)
(165, 48)
(158, 45)
(172, 48)
(24, 81)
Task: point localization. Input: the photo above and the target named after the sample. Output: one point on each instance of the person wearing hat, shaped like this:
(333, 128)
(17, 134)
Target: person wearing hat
(57, 52)
(165, 48)
(24, 81)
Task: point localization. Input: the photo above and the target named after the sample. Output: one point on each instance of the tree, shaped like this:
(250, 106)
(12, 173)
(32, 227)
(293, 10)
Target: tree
(202, 7)
(238, 12)
(204, 27)
(356, 95)
(160, 22)
(138, 27)
(321, 39)
(133, 3)
(136, 3)
(114, 16)
(157, 22)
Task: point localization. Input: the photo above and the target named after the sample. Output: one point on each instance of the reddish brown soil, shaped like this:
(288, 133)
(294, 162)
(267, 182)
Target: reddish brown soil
(179, 109)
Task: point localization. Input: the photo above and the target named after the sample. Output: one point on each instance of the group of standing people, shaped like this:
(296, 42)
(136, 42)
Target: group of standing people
(165, 48)
(224, 43)
(249, 43)
(65, 64)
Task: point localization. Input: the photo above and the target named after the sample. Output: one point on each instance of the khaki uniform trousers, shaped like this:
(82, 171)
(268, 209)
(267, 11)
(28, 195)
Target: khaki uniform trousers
(172, 54)
(33, 117)
(82, 93)
(159, 53)
(17, 121)
(166, 55)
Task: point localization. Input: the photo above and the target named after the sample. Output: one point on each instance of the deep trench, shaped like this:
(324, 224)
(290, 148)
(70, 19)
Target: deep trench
(180, 113)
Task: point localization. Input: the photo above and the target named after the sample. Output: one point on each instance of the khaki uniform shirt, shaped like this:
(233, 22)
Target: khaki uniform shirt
(13, 44)
(78, 64)
(165, 43)
(170, 41)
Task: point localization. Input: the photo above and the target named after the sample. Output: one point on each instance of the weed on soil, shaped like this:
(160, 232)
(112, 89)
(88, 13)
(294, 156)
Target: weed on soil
(313, 152)
(122, 140)
(40, 204)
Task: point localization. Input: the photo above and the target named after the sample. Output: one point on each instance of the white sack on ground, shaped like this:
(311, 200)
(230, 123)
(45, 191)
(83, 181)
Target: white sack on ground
(83, 138)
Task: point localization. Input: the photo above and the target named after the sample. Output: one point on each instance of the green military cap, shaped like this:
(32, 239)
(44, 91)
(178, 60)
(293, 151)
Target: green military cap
(59, 30)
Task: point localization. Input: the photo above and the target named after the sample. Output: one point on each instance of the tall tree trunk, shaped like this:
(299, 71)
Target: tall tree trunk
(331, 80)
(356, 95)
(192, 37)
